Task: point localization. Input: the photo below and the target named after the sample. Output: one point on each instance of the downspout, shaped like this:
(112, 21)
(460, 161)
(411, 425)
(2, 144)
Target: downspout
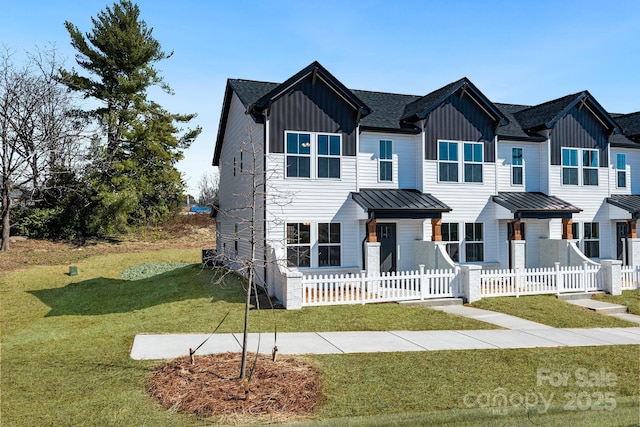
(423, 141)
(495, 163)
(358, 155)
(265, 149)
(609, 163)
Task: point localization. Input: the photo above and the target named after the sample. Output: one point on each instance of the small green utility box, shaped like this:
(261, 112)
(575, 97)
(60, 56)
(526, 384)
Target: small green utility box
(73, 270)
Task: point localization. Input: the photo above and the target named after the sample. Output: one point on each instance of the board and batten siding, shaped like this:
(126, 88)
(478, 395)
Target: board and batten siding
(312, 106)
(406, 161)
(579, 129)
(459, 119)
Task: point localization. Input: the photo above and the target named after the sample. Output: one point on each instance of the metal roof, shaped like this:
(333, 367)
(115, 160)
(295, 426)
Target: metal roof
(535, 205)
(396, 203)
(628, 202)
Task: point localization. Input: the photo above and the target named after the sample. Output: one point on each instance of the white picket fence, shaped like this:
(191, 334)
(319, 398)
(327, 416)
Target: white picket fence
(630, 277)
(532, 281)
(362, 288)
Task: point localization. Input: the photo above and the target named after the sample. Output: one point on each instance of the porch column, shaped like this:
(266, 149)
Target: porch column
(567, 233)
(372, 258)
(436, 230)
(371, 231)
(633, 230)
(516, 224)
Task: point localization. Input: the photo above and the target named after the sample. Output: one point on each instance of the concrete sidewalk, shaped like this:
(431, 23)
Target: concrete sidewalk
(167, 346)
(499, 319)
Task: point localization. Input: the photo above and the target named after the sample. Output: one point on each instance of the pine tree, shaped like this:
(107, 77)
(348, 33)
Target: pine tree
(132, 175)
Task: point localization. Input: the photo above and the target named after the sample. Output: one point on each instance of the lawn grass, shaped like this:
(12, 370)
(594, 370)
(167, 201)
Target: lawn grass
(549, 310)
(66, 339)
(629, 298)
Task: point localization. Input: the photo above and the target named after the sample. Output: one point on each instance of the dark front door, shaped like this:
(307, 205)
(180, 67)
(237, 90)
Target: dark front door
(386, 233)
(622, 231)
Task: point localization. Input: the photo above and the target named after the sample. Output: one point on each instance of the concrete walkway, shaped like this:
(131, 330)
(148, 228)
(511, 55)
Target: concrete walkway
(499, 319)
(606, 308)
(167, 346)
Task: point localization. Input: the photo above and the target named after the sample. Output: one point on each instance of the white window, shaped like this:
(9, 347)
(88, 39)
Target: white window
(592, 239)
(570, 166)
(449, 167)
(621, 170)
(313, 155)
(474, 242)
(329, 248)
(517, 167)
(299, 244)
(451, 235)
(298, 155)
(589, 167)
(472, 162)
(385, 161)
(448, 161)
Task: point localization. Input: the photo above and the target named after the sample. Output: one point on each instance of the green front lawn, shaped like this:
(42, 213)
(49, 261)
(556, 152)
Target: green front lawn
(629, 298)
(549, 310)
(66, 339)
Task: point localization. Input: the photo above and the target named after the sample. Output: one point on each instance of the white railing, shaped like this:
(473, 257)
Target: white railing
(630, 277)
(532, 281)
(362, 288)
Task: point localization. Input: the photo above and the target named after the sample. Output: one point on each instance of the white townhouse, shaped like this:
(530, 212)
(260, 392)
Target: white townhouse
(328, 179)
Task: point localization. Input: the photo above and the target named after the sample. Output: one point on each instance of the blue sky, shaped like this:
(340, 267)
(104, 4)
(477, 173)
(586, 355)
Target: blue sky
(522, 52)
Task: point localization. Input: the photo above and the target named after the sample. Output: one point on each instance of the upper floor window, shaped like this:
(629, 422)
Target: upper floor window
(451, 235)
(448, 161)
(385, 162)
(472, 162)
(311, 154)
(590, 167)
(474, 242)
(570, 166)
(329, 156)
(329, 249)
(517, 168)
(298, 155)
(621, 170)
(299, 244)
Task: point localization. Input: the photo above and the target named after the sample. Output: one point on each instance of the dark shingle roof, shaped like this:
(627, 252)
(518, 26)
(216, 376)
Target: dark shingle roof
(425, 102)
(630, 123)
(513, 129)
(249, 91)
(542, 115)
(388, 203)
(534, 204)
(628, 202)
(386, 110)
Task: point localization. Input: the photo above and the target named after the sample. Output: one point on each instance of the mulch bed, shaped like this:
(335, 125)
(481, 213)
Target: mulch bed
(284, 390)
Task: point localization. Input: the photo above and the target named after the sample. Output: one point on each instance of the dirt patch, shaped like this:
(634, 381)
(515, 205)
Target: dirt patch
(284, 390)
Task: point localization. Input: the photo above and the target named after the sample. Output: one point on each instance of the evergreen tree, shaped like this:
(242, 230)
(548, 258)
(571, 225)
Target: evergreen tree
(132, 175)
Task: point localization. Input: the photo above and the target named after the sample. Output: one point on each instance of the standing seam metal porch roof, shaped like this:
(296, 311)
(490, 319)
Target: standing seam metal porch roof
(628, 202)
(535, 205)
(395, 203)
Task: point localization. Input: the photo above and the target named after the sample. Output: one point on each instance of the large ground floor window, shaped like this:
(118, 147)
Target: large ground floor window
(299, 244)
(592, 239)
(474, 242)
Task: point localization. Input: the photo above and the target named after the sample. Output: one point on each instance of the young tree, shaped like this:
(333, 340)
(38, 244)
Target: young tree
(39, 132)
(133, 173)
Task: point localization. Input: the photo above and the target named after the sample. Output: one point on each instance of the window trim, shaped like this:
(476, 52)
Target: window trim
(517, 166)
(450, 242)
(591, 238)
(298, 244)
(329, 244)
(620, 171)
(472, 162)
(313, 155)
(564, 167)
(475, 242)
(456, 162)
(385, 160)
(589, 168)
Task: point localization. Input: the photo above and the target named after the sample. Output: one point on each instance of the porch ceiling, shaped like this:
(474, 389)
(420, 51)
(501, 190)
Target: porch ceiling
(535, 205)
(396, 203)
(627, 202)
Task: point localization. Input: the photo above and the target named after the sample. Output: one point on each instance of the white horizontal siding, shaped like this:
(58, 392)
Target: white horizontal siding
(406, 160)
(533, 161)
